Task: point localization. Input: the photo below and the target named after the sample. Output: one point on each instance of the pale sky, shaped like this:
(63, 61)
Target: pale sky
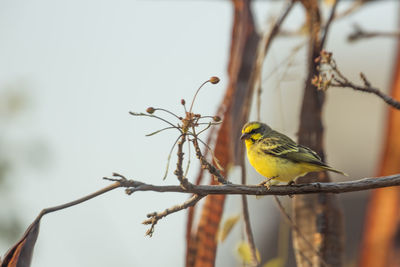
(84, 64)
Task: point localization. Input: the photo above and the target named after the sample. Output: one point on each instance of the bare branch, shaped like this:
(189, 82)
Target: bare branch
(179, 171)
(155, 216)
(201, 191)
(246, 218)
(329, 22)
(263, 48)
(367, 89)
(281, 190)
(205, 164)
(359, 34)
(331, 76)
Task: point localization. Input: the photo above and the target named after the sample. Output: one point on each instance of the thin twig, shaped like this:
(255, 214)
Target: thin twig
(156, 216)
(331, 76)
(359, 34)
(153, 116)
(179, 169)
(246, 218)
(169, 157)
(169, 112)
(297, 230)
(204, 163)
(214, 158)
(329, 22)
(113, 186)
(367, 89)
(264, 46)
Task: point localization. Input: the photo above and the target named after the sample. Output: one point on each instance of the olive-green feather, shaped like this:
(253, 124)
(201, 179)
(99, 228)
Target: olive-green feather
(280, 145)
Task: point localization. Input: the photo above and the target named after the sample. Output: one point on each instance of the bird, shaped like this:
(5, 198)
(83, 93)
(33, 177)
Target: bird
(277, 157)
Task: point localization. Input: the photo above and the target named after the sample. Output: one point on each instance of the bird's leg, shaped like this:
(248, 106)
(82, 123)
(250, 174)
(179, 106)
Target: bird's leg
(290, 183)
(267, 183)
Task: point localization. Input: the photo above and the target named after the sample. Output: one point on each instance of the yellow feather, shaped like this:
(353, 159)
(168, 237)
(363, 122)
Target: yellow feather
(276, 156)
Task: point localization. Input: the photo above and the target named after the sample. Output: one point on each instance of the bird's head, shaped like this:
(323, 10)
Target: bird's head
(253, 131)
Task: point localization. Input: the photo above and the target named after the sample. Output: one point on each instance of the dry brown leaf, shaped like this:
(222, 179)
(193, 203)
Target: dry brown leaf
(20, 255)
(244, 252)
(227, 227)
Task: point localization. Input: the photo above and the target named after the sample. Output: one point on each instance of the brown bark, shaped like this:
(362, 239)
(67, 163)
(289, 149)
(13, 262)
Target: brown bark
(201, 242)
(318, 216)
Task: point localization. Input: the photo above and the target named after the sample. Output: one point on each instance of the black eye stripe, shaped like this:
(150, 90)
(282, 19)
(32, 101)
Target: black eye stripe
(253, 131)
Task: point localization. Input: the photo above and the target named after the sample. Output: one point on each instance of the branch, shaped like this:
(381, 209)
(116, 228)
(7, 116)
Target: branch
(201, 191)
(205, 164)
(246, 218)
(263, 48)
(279, 190)
(154, 217)
(331, 76)
(367, 89)
(359, 33)
(329, 22)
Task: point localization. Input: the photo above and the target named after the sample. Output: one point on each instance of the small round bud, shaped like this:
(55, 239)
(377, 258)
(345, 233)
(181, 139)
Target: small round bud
(214, 80)
(150, 110)
(217, 118)
(183, 102)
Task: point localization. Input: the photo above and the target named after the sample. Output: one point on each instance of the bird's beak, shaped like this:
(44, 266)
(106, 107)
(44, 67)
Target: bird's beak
(245, 136)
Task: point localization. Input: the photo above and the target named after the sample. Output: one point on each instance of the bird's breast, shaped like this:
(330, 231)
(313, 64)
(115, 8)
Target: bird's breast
(270, 166)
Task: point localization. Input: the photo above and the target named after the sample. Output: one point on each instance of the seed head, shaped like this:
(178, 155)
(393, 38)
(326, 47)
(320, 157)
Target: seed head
(214, 80)
(217, 118)
(150, 110)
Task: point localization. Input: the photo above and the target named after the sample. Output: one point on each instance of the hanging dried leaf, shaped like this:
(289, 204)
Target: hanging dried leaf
(244, 253)
(227, 227)
(20, 255)
(275, 262)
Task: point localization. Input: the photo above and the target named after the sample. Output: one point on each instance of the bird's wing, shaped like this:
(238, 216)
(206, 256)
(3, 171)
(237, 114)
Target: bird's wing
(280, 145)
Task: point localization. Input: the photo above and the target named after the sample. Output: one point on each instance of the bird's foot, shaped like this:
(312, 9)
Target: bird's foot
(290, 183)
(267, 182)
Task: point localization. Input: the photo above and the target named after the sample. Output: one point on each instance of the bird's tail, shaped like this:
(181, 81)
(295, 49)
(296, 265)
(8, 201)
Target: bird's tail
(328, 168)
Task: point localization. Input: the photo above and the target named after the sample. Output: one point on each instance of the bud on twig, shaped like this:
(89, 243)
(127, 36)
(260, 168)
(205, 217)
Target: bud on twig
(183, 102)
(214, 80)
(150, 110)
(217, 118)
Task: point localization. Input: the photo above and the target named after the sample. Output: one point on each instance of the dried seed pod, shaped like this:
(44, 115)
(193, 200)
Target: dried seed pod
(150, 110)
(214, 80)
(217, 118)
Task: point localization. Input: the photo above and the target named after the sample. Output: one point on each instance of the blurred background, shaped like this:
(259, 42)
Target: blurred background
(71, 71)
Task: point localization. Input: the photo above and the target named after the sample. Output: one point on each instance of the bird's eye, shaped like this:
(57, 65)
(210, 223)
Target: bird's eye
(253, 131)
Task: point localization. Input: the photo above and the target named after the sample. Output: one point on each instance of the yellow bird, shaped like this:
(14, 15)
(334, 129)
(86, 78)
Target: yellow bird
(276, 156)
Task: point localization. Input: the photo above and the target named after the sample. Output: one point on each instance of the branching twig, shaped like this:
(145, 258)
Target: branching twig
(237, 189)
(179, 170)
(155, 216)
(360, 33)
(205, 164)
(331, 76)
